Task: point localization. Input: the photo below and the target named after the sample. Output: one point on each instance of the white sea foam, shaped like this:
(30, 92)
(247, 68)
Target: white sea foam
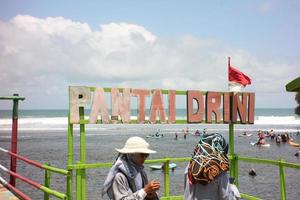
(285, 120)
(60, 123)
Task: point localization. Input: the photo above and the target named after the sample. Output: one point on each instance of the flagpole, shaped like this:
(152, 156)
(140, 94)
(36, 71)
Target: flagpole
(233, 162)
(228, 66)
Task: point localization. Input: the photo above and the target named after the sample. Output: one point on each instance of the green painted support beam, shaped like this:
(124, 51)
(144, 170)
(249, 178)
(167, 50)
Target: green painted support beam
(70, 159)
(82, 154)
(172, 198)
(47, 182)
(177, 121)
(78, 184)
(109, 164)
(249, 197)
(231, 150)
(167, 177)
(56, 170)
(236, 170)
(53, 192)
(12, 98)
(282, 181)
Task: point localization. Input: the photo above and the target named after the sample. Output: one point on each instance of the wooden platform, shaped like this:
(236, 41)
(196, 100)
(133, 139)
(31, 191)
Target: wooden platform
(5, 194)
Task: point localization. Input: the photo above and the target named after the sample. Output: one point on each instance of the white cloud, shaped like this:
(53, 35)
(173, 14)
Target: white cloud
(41, 57)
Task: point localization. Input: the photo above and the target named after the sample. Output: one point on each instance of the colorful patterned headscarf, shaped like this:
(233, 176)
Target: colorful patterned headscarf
(209, 159)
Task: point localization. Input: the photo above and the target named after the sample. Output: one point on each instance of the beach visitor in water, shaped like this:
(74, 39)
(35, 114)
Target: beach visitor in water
(206, 175)
(127, 179)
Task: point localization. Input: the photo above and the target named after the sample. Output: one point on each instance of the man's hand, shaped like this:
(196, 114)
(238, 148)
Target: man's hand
(151, 187)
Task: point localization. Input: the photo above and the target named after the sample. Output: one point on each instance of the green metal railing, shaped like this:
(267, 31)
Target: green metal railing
(80, 166)
(47, 182)
(14, 156)
(280, 163)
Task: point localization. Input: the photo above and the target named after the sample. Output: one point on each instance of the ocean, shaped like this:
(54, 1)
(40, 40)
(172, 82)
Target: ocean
(43, 138)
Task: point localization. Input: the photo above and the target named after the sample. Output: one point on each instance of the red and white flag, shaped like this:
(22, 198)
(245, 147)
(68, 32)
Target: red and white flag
(237, 80)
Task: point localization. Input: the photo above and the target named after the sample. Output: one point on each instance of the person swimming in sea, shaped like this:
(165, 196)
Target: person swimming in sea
(278, 139)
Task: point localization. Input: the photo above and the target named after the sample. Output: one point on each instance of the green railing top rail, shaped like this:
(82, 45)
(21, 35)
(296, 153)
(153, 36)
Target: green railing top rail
(12, 98)
(177, 121)
(164, 91)
(186, 159)
(56, 170)
(109, 164)
(267, 161)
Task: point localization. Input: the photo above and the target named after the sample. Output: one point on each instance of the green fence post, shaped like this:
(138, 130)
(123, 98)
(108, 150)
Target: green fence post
(82, 154)
(282, 180)
(47, 182)
(236, 170)
(78, 183)
(231, 150)
(166, 178)
(70, 159)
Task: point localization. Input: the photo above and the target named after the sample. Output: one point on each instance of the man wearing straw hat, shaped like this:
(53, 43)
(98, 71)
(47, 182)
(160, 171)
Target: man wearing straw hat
(127, 179)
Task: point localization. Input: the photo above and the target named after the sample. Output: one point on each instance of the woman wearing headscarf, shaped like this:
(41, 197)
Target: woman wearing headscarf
(127, 179)
(206, 175)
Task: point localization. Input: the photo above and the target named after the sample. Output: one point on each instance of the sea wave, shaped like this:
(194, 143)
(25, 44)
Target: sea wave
(292, 120)
(60, 123)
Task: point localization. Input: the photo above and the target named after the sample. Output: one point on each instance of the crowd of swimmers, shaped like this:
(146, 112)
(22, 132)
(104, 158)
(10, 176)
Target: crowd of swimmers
(186, 131)
(279, 138)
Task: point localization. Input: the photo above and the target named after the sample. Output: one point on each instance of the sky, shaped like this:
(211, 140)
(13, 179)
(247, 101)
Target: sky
(46, 46)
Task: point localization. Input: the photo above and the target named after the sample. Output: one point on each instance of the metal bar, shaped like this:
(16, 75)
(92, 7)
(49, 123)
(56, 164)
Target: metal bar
(291, 165)
(36, 164)
(171, 198)
(78, 184)
(82, 154)
(109, 164)
(267, 161)
(15, 190)
(34, 184)
(47, 183)
(53, 192)
(178, 92)
(166, 178)
(56, 170)
(282, 181)
(164, 91)
(70, 159)
(236, 171)
(12, 98)
(133, 121)
(231, 150)
(246, 196)
(31, 162)
(14, 140)
(186, 159)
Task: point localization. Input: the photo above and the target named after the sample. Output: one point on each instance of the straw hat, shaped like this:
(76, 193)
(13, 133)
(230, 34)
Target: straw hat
(136, 145)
